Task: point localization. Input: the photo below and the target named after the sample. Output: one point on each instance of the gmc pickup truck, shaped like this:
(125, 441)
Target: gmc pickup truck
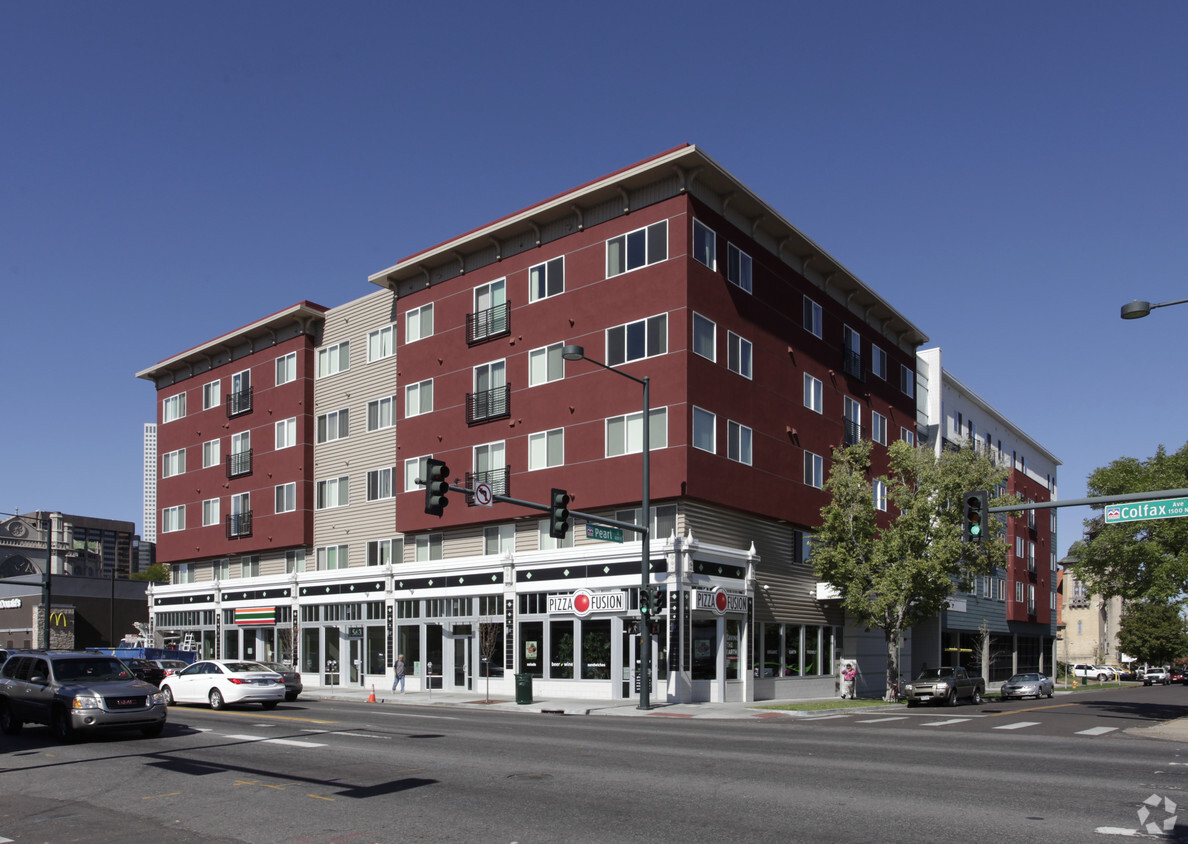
(944, 685)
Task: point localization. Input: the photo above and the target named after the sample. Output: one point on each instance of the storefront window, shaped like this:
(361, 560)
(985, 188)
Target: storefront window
(812, 650)
(375, 650)
(771, 650)
(792, 650)
(208, 644)
(231, 643)
(531, 644)
(561, 650)
(408, 642)
(596, 650)
(332, 656)
(732, 649)
(705, 650)
(311, 653)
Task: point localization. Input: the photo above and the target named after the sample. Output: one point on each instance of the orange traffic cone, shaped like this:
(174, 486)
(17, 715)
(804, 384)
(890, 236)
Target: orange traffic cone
(371, 697)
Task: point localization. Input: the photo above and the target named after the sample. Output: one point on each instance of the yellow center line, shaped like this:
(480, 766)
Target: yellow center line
(275, 717)
(320, 797)
(1030, 709)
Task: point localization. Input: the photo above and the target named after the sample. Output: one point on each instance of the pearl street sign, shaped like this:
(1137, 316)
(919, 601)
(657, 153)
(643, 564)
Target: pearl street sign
(606, 534)
(1167, 508)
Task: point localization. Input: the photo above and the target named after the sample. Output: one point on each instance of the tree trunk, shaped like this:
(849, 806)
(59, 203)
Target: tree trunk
(891, 639)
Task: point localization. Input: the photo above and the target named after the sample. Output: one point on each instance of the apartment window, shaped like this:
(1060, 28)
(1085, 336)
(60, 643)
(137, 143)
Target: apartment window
(490, 466)
(183, 573)
(547, 279)
(173, 518)
(286, 433)
(333, 492)
(1030, 598)
(813, 397)
(624, 434)
(878, 427)
(249, 566)
(210, 395)
(418, 398)
(705, 245)
(381, 552)
(381, 413)
(703, 430)
(907, 435)
(173, 463)
(637, 340)
(381, 343)
(545, 364)
(333, 557)
(418, 323)
(1018, 592)
(415, 467)
(637, 249)
(738, 267)
(704, 334)
(239, 523)
(286, 368)
(240, 460)
(490, 317)
(663, 521)
(546, 449)
(335, 425)
(334, 359)
(286, 498)
(814, 470)
(738, 442)
(240, 399)
(221, 569)
(379, 484)
(173, 408)
(907, 380)
(802, 548)
(1002, 590)
(852, 353)
(879, 488)
(499, 539)
(295, 561)
(210, 512)
(428, 547)
(490, 397)
(878, 362)
(738, 354)
(812, 318)
(852, 413)
(210, 454)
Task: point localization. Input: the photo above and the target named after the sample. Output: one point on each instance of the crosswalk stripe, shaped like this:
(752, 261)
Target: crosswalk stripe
(1096, 731)
(943, 723)
(1018, 725)
(881, 720)
(287, 742)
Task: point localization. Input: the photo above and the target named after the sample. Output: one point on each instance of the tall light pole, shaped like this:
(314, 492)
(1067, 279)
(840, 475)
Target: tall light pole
(645, 638)
(1138, 309)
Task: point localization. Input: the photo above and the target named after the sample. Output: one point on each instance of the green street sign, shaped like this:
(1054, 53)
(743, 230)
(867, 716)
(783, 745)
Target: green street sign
(606, 534)
(1166, 508)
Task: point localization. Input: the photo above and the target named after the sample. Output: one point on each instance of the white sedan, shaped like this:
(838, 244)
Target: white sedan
(221, 681)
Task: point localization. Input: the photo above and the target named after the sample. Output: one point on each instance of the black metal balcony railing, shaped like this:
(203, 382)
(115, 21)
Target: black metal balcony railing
(239, 403)
(855, 433)
(489, 404)
(239, 524)
(499, 479)
(852, 364)
(485, 325)
(239, 464)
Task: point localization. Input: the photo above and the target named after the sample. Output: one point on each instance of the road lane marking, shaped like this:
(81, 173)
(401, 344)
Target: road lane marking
(881, 720)
(1018, 725)
(1029, 709)
(265, 740)
(1096, 731)
(943, 723)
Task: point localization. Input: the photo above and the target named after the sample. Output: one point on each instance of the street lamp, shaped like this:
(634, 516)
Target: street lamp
(1138, 310)
(645, 640)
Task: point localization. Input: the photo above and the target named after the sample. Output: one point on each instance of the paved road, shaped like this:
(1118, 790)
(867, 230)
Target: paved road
(341, 771)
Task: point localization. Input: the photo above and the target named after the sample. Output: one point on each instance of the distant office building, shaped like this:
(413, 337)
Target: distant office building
(1091, 623)
(149, 519)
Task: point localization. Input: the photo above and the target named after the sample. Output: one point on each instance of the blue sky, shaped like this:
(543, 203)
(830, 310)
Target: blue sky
(1006, 174)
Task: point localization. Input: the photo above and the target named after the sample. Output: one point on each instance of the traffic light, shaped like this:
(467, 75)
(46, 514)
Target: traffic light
(976, 518)
(436, 486)
(558, 514)
(645, 604)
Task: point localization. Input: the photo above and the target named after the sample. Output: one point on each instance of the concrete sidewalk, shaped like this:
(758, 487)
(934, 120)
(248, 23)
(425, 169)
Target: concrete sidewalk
(1173, 730)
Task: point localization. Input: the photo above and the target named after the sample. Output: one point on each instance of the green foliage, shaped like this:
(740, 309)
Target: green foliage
(897, 570)
(1153, 632)
(1137, 560)
(157, 573)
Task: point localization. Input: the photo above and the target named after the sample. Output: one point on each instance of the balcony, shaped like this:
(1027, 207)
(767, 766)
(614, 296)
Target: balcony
(852, 364)
(239, 525)
(854, 434)
(239, 403)
(499, 479)
(239, 464)
(488, 405)
(489, 324)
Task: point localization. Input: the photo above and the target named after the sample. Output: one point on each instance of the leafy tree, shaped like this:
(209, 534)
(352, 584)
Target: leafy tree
(1137, 560)
(894, 573)
(1154, 632)
(157, 572)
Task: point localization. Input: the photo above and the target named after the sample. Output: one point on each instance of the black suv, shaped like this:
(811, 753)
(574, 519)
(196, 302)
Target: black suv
(74, 692)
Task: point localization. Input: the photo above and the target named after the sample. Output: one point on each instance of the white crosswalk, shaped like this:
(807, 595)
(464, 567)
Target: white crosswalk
(990, 723)
(1018, 725)
(266, 740)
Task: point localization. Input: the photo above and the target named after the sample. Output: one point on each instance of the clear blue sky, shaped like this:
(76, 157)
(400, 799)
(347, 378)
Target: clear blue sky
(1006, 174)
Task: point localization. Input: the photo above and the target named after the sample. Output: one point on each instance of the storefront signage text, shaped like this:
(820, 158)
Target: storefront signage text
(583, 602)
(719, 601)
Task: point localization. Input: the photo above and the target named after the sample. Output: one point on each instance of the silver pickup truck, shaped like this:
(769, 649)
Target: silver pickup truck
(944, 685)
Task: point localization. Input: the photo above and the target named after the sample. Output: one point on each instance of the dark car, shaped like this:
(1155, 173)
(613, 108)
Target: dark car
(76, 692)
(293, 685)
(145, 670)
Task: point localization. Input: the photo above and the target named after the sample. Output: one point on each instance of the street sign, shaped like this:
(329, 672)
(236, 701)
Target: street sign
(1166, 508)
(606, 534)
(483, 495)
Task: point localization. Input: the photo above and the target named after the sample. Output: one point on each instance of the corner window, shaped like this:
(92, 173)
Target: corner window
(173, 519)
(703, 430)
(381, 413)
(907, 380)
(878, 427)
(418, 323)
(705, 245)
(381, 343)
(637, 340)
(173, 463)
(334, 359)
(210, 395)
(547, 279)
(637, 249)
(814, 470)
(738, 267)
(812, 317)
(173, 408)
(286, 433)
(738, 442)
(415, 467)
(704, 334)
(286, 498)
(738, 354)
(286, 368)
(624, 434)
(813, 398)
(878, 362)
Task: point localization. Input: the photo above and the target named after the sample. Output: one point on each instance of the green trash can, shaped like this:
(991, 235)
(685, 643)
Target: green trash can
(523, 688)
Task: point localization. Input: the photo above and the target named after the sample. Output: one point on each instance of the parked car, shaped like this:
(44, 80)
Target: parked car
(1028, 685)
(1157, 676)
(1088, 671)
(220, 682)
(170, 666)
(146, 670)
(74, 693)
(944, 685)
(293, 686)
(1110, 671)
(1177, 674)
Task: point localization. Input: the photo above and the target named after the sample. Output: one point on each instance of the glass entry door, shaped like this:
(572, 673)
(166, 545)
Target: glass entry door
(461, 639)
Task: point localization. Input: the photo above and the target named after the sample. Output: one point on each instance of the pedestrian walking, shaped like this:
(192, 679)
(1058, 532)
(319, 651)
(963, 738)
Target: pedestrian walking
(399, 681)
(848, 675)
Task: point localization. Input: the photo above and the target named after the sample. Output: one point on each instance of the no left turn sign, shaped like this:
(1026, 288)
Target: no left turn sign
(482, 495)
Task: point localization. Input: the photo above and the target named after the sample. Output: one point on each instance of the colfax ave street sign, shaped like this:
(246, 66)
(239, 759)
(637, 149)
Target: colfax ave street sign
(1167, 508)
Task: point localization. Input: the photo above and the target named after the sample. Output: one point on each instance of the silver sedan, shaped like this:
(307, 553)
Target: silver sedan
(1028, 685)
